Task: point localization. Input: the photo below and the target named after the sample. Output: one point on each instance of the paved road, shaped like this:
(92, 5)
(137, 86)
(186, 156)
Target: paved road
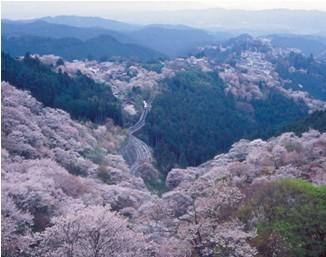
(140, 123)
(136, 152)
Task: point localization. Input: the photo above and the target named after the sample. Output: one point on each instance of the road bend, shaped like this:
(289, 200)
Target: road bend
(136, 152)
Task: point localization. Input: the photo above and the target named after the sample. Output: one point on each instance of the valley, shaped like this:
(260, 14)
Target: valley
(163, 140)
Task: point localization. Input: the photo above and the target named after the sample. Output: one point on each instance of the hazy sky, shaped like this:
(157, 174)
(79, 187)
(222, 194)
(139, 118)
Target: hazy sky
(118, 9)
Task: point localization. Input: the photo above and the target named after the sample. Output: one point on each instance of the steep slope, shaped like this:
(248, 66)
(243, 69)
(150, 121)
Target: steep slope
(193, 119)
(243, 204)
(267, 88)
(54, 171)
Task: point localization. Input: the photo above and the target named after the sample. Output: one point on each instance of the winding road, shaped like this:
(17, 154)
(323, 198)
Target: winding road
(136, 152)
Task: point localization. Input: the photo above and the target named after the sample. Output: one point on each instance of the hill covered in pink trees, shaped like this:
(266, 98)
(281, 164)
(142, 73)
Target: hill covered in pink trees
(66, 191)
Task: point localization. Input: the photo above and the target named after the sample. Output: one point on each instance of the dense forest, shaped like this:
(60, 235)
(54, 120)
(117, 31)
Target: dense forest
(192, 119)
(273, 113)
(80, 96)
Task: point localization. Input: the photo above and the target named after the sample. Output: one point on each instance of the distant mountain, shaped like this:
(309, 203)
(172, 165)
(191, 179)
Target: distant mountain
(308, 44)
(162, 37)
(87, 22)
(103, 46)
(170, 40)
(41, 28)
(255, 22)
(169, 26)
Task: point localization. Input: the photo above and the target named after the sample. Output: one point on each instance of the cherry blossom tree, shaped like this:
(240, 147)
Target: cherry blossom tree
(92, 231)
(16, 231)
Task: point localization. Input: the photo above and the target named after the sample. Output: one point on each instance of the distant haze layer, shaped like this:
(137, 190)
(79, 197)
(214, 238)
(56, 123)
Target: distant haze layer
(201, 14)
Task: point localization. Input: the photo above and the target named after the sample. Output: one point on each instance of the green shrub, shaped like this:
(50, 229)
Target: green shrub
(290, 216)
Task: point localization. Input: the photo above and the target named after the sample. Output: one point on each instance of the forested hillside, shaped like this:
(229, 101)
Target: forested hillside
(303, 73)
(80, 96)
(193, 119)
